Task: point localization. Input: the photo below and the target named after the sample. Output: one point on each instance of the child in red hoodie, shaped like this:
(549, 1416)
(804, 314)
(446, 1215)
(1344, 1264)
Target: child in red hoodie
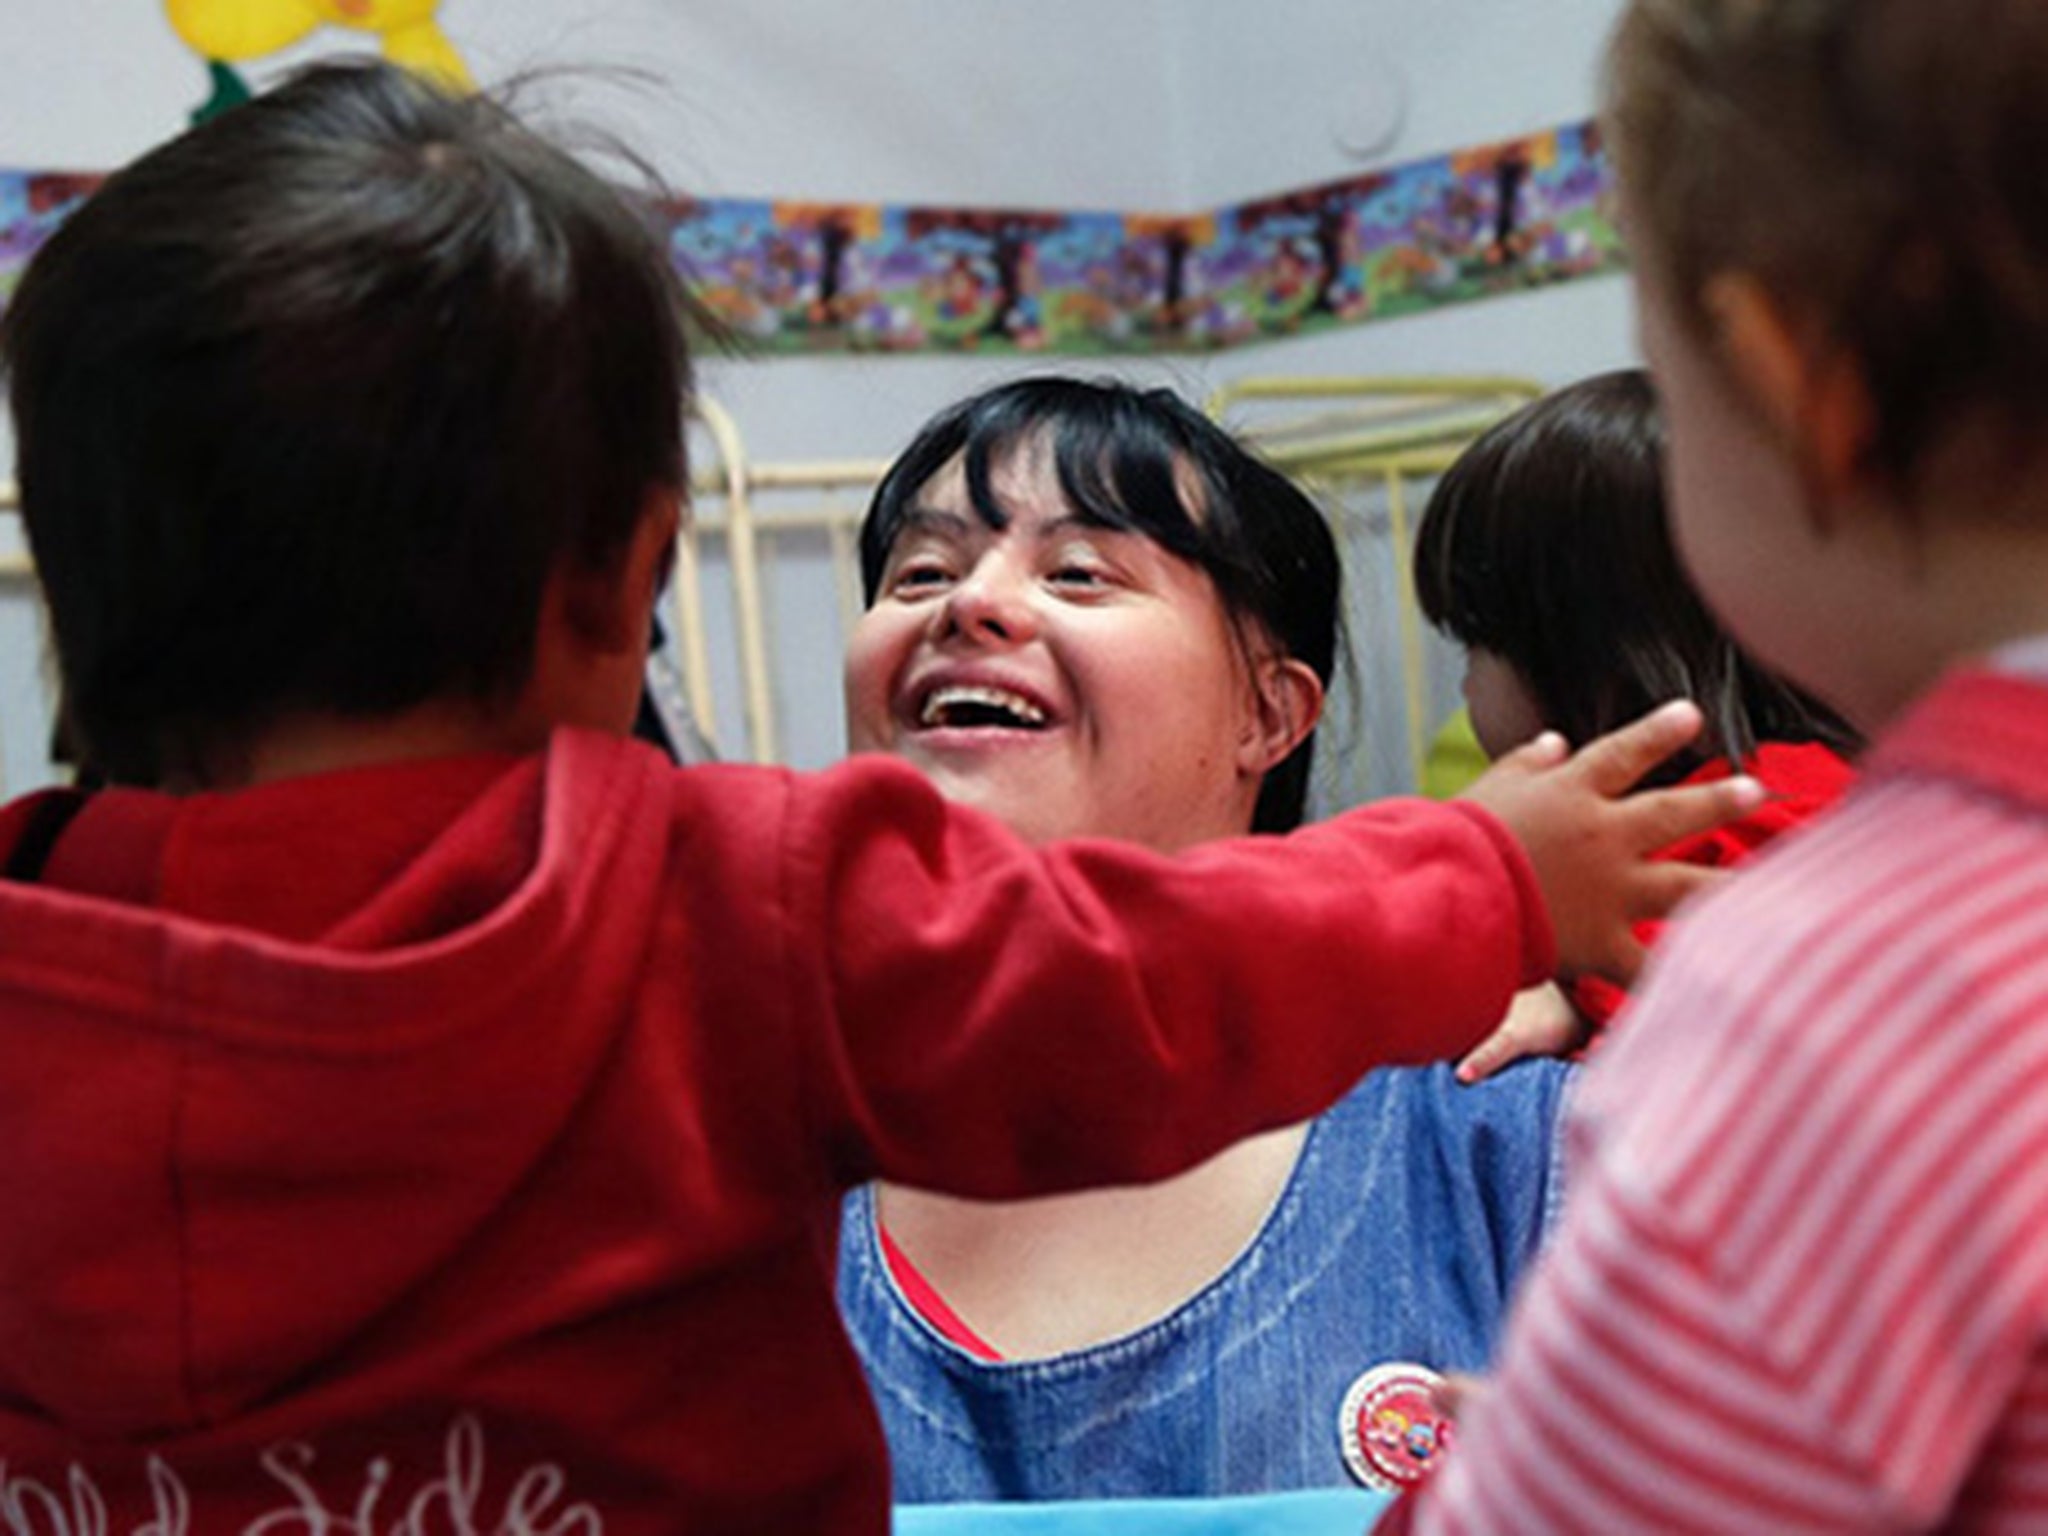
(1546, 551)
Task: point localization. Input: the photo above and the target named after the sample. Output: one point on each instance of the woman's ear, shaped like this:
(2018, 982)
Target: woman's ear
(1287, 701)
(1811, 394)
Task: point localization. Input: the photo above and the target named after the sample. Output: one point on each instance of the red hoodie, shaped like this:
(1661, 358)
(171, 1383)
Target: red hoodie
(458, 1147)
(1802, 781)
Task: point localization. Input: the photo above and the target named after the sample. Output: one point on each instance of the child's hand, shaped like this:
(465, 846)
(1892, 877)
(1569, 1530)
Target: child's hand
(1541, 1022)
(1589, 839)
(1458, 1391)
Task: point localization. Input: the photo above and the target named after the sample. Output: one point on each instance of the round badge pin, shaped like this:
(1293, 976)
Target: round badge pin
(1392, 1431)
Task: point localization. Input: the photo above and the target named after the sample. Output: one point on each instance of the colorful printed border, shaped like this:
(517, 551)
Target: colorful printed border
(799, 277)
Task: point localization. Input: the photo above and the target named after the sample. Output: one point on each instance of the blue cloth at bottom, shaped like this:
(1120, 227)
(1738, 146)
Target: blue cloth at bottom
(1316, 1512)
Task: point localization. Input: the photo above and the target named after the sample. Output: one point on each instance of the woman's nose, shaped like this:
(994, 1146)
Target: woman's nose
(992, 605)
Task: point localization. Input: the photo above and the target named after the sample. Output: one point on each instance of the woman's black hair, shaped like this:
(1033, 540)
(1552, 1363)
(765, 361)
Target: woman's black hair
(1123, 456)
(1546, 543)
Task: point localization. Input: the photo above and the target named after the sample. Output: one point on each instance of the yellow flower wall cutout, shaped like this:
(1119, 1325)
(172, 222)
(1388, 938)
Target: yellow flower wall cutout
(229, 32)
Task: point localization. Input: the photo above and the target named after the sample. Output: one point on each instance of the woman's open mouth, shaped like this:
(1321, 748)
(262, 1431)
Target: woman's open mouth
(979, 706)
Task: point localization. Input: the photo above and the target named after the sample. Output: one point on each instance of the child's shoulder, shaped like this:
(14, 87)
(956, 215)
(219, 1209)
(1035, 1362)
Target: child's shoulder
(865, 805)
(1801, 780)
(1980, 729)
(1806, 774)
(868, 782)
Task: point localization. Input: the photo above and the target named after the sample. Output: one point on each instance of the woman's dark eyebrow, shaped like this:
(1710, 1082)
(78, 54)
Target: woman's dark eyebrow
(1082, 522)
(931, 520)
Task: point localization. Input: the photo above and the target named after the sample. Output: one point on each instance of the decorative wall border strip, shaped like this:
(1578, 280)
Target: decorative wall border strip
(808, 278)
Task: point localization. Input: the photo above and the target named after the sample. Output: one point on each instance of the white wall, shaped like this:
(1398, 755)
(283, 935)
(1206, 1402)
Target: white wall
(1292, 92)
(1130, 104)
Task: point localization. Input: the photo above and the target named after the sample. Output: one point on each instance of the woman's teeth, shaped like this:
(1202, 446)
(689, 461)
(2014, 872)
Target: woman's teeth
(977, 705)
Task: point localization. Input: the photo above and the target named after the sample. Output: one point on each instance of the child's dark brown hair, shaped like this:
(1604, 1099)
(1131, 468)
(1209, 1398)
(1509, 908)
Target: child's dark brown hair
(311, 400)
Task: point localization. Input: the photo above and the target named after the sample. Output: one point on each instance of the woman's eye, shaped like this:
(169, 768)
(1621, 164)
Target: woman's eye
(1081, 576)
(922, 577)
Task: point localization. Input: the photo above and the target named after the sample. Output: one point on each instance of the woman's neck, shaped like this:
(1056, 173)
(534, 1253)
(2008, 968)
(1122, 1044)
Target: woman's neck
(1037, 1278)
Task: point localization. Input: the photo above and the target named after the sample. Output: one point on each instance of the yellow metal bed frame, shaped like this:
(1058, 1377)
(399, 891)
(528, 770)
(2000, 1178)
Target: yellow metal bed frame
(1371, 443)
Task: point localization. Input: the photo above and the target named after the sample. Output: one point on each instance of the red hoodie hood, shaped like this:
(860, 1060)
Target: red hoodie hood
(247, 1113)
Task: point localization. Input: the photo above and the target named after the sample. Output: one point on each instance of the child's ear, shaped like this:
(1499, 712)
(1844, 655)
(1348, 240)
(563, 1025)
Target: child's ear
(654, 553)
(610, 608)
(1287, 701)
(1811, 394)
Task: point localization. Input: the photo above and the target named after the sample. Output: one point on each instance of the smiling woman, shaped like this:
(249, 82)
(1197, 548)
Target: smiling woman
(1091, 612)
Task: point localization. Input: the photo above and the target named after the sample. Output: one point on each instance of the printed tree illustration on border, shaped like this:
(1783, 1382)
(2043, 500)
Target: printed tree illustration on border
(1328, 209)
(1010, 233)
(837, 228)
(1177, 236)
(1509, 167)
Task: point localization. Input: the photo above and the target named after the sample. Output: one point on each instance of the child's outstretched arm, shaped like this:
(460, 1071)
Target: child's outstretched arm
(998, 1020)
(1589, 840)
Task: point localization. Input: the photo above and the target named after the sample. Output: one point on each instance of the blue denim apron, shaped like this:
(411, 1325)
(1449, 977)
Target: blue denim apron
(1411, 1212)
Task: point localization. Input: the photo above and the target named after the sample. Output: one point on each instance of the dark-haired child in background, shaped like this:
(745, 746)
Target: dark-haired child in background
(1545, 550)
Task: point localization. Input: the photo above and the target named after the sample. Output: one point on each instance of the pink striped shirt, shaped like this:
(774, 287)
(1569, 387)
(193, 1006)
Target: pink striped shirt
(1802, 1284)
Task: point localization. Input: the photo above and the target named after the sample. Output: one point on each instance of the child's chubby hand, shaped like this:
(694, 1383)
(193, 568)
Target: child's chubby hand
(1540, 1022)
(1590, 840)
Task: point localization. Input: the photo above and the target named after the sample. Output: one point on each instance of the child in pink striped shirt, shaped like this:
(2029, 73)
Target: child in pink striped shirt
(1803, 1283)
